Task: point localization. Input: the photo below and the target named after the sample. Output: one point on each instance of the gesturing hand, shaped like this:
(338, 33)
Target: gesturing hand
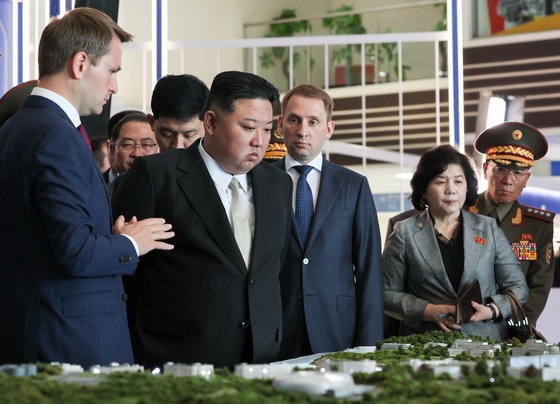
(146, 233)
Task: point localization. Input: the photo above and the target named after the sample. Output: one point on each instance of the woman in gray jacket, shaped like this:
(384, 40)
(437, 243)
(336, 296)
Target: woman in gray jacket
(431, 259)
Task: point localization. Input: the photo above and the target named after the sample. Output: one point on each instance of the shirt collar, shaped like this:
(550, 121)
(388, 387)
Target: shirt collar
(62, 102)
(316, 163)
(221, 177)
(502, 210)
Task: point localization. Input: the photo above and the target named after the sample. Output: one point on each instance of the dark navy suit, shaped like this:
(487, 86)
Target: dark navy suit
(61, 291)
(335, 285)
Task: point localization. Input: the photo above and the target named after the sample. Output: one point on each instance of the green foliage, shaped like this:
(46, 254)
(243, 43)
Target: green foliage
(51, 370)
(515, 343)
(288, 28)
(481, 367)
(280, 54)
(445, 376)
(441, 25)
(345, 25)
(531, 372)
(464, 356)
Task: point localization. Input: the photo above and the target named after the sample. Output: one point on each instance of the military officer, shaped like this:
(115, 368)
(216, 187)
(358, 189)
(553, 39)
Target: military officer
(511, 149)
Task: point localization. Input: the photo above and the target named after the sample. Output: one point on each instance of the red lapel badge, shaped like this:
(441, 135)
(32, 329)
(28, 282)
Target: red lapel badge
(479, 240)
(526, 237)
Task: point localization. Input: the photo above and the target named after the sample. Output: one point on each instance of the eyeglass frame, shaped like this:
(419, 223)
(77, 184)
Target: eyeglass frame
(509, 171)
(128, 147)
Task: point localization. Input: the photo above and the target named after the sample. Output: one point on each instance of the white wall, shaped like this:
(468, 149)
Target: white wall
(219, 20)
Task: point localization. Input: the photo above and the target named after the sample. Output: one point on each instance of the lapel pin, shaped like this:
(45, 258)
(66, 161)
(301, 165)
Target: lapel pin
(479, 240)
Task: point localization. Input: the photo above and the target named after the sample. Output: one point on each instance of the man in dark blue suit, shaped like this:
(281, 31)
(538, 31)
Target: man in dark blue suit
(61, 291)
(331, 280)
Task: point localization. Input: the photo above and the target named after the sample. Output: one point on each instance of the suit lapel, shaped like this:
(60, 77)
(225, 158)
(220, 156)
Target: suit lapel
(427, 246)
(472, 250)
(264, 211)
(330, 186)
(198, 186)
(295, 233)
(510, 217)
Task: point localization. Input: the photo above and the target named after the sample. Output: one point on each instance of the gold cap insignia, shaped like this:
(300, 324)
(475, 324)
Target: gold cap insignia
(517, 134)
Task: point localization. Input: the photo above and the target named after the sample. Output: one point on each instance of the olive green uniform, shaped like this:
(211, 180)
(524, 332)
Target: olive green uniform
(530, 231)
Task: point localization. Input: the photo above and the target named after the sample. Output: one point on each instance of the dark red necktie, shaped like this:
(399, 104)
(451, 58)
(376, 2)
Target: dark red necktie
(84, 135)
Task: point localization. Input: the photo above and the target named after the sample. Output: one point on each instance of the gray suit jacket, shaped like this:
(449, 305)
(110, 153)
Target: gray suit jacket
(414, 274)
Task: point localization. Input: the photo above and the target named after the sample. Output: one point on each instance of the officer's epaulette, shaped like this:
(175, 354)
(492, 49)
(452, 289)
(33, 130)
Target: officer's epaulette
(538, 213)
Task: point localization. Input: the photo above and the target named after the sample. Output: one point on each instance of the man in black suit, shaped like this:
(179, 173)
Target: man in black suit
(216, 298)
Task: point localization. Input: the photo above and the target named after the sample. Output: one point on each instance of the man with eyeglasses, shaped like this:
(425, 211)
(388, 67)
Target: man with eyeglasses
(132, 137)
(511, 149)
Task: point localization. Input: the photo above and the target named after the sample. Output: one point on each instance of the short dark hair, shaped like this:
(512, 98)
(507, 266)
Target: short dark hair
(83, 29)
(181, 97)
(115, 119)
(230, 86)
(132, 117)
(433, 163)
(96, 143)
(310, 91)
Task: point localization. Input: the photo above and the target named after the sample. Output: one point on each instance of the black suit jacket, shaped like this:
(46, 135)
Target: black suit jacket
(195, 302)
(106, 176)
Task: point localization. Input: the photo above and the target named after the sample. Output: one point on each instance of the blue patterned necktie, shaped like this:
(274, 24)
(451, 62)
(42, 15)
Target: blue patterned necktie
(304, 204)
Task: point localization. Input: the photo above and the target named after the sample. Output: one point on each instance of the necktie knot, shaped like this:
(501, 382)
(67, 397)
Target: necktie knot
(234, 185)
(303, 170)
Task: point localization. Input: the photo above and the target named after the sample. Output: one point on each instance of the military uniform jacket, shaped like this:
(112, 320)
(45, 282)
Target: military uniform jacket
(530, 231)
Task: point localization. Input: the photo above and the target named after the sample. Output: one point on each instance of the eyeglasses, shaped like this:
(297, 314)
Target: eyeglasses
(502, 172)
(130, 146)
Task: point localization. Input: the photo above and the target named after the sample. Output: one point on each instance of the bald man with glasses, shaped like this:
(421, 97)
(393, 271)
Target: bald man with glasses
(511, 149)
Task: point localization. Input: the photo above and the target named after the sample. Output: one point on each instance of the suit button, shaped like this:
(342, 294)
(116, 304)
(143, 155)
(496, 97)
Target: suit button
(251, 282)
(124, 258)
(305, 261)
(300, 295)
(244, 325)
(125, 297)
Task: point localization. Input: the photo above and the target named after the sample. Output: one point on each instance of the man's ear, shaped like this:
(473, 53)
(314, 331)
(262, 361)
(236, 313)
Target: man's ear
(280, 128)
(210, 119)
(78, 65)
(330, 129)
(527, 179)
(112, 149)
(484, 167)
(151, 121)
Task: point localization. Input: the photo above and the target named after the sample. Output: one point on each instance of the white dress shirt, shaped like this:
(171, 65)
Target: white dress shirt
(222, 179)
(313, 178)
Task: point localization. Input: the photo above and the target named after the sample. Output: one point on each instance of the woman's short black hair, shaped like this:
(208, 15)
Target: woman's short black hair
(433, 163)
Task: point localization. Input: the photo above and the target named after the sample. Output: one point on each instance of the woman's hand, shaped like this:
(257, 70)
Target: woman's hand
(441, 314)
(483, 312)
